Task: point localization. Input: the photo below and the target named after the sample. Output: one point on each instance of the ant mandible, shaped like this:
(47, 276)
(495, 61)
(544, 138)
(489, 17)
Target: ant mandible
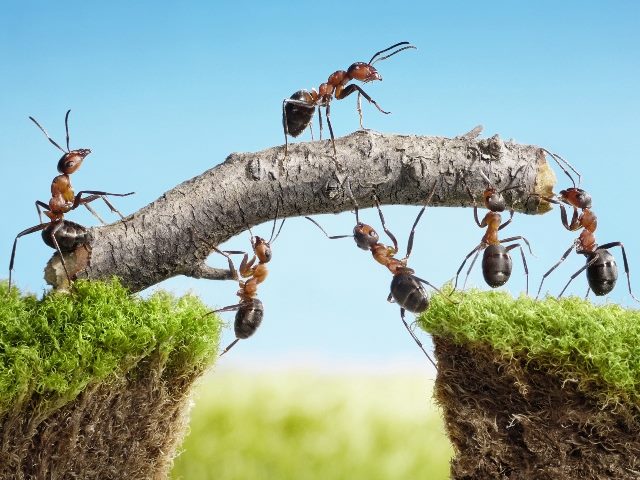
(250, 310)
(58, 231)
(298, 110)
(406, 288)
(496, 261)
(602, 271)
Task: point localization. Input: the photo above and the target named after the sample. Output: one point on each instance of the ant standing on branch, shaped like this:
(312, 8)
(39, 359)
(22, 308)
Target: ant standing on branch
(298, 110)
(406, 289)
(250, 309)
(602, 271)
(58, 233)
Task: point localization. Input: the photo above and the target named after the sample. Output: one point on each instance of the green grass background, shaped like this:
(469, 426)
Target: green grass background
(308, 426)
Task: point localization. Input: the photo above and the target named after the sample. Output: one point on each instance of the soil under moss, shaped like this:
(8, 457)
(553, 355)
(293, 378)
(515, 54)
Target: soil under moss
(96, 384)
(538, 390)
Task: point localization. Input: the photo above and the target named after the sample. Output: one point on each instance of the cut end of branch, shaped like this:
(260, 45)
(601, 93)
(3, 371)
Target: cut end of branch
(545, 181)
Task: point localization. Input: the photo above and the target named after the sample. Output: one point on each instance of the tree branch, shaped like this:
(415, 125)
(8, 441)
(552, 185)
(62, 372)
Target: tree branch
(175, 234)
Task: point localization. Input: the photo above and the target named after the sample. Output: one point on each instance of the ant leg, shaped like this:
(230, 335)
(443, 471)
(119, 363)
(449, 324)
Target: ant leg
(285, 129)
(575, 224)
(582, 269)
(626, 264)
(436, 289)
(232, 268)
(92, 211)
(359, 108)
(40, 205)
(479, 247)
(587, 294)
(473, 262)
(562, 259)
(413, 229)
(475, 205)
(94, 195)
(320, 121)
(333, 140)
(511, 239)
(352, 87)
(508, 221)
(413, 335)
(230, 308)
(384, 226)
(29, 230)
(524, 262)
(111, 207)
(330, 237)
(230, 346)
(52, 234)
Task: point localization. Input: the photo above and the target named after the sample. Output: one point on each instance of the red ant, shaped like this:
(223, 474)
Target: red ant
(62, 201)
(406, 289)
(602, 271)
(298, 110)
(496, 261)
(250, 310)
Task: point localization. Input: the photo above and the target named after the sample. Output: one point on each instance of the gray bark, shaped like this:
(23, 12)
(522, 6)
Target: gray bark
(175, 234)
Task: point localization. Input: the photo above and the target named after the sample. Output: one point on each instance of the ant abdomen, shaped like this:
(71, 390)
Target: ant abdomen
(299, 116)
(603, 273)
(69, 236)
(496, 265)
(248, 318)
(409, 293)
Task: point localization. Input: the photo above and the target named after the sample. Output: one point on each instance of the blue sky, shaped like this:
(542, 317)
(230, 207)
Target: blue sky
(163, 91)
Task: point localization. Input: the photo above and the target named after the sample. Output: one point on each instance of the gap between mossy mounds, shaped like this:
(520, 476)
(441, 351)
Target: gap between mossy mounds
(96, 384)
(538, 389)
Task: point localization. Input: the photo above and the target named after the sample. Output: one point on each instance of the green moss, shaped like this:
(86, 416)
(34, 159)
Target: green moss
(56, 346)
(596, 346)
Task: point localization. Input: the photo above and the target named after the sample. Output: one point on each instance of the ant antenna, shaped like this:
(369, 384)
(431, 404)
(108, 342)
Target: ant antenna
(371, 62)
(559, 160)
(272, 239)
(489, 184)
(47, 135)
(66, 126)
(509, 186)
(353, 199)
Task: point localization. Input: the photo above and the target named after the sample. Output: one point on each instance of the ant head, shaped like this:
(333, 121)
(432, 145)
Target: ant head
(365, 236)
(493, 200)
(576, 197)
(262, 249)
(363, 72)
(70, 162)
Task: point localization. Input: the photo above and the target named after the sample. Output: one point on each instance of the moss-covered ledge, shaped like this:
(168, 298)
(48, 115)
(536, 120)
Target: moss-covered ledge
(538, 389)
(95, 384)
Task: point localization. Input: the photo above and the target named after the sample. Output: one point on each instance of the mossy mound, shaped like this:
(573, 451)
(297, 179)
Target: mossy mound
(538, 389)
(94, 384)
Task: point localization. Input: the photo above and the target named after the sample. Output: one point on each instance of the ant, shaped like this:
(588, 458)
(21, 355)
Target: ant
(298, 110)
(602, 271)
(406, 288)
(496, 261)
(59, 231)
(250, 310)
